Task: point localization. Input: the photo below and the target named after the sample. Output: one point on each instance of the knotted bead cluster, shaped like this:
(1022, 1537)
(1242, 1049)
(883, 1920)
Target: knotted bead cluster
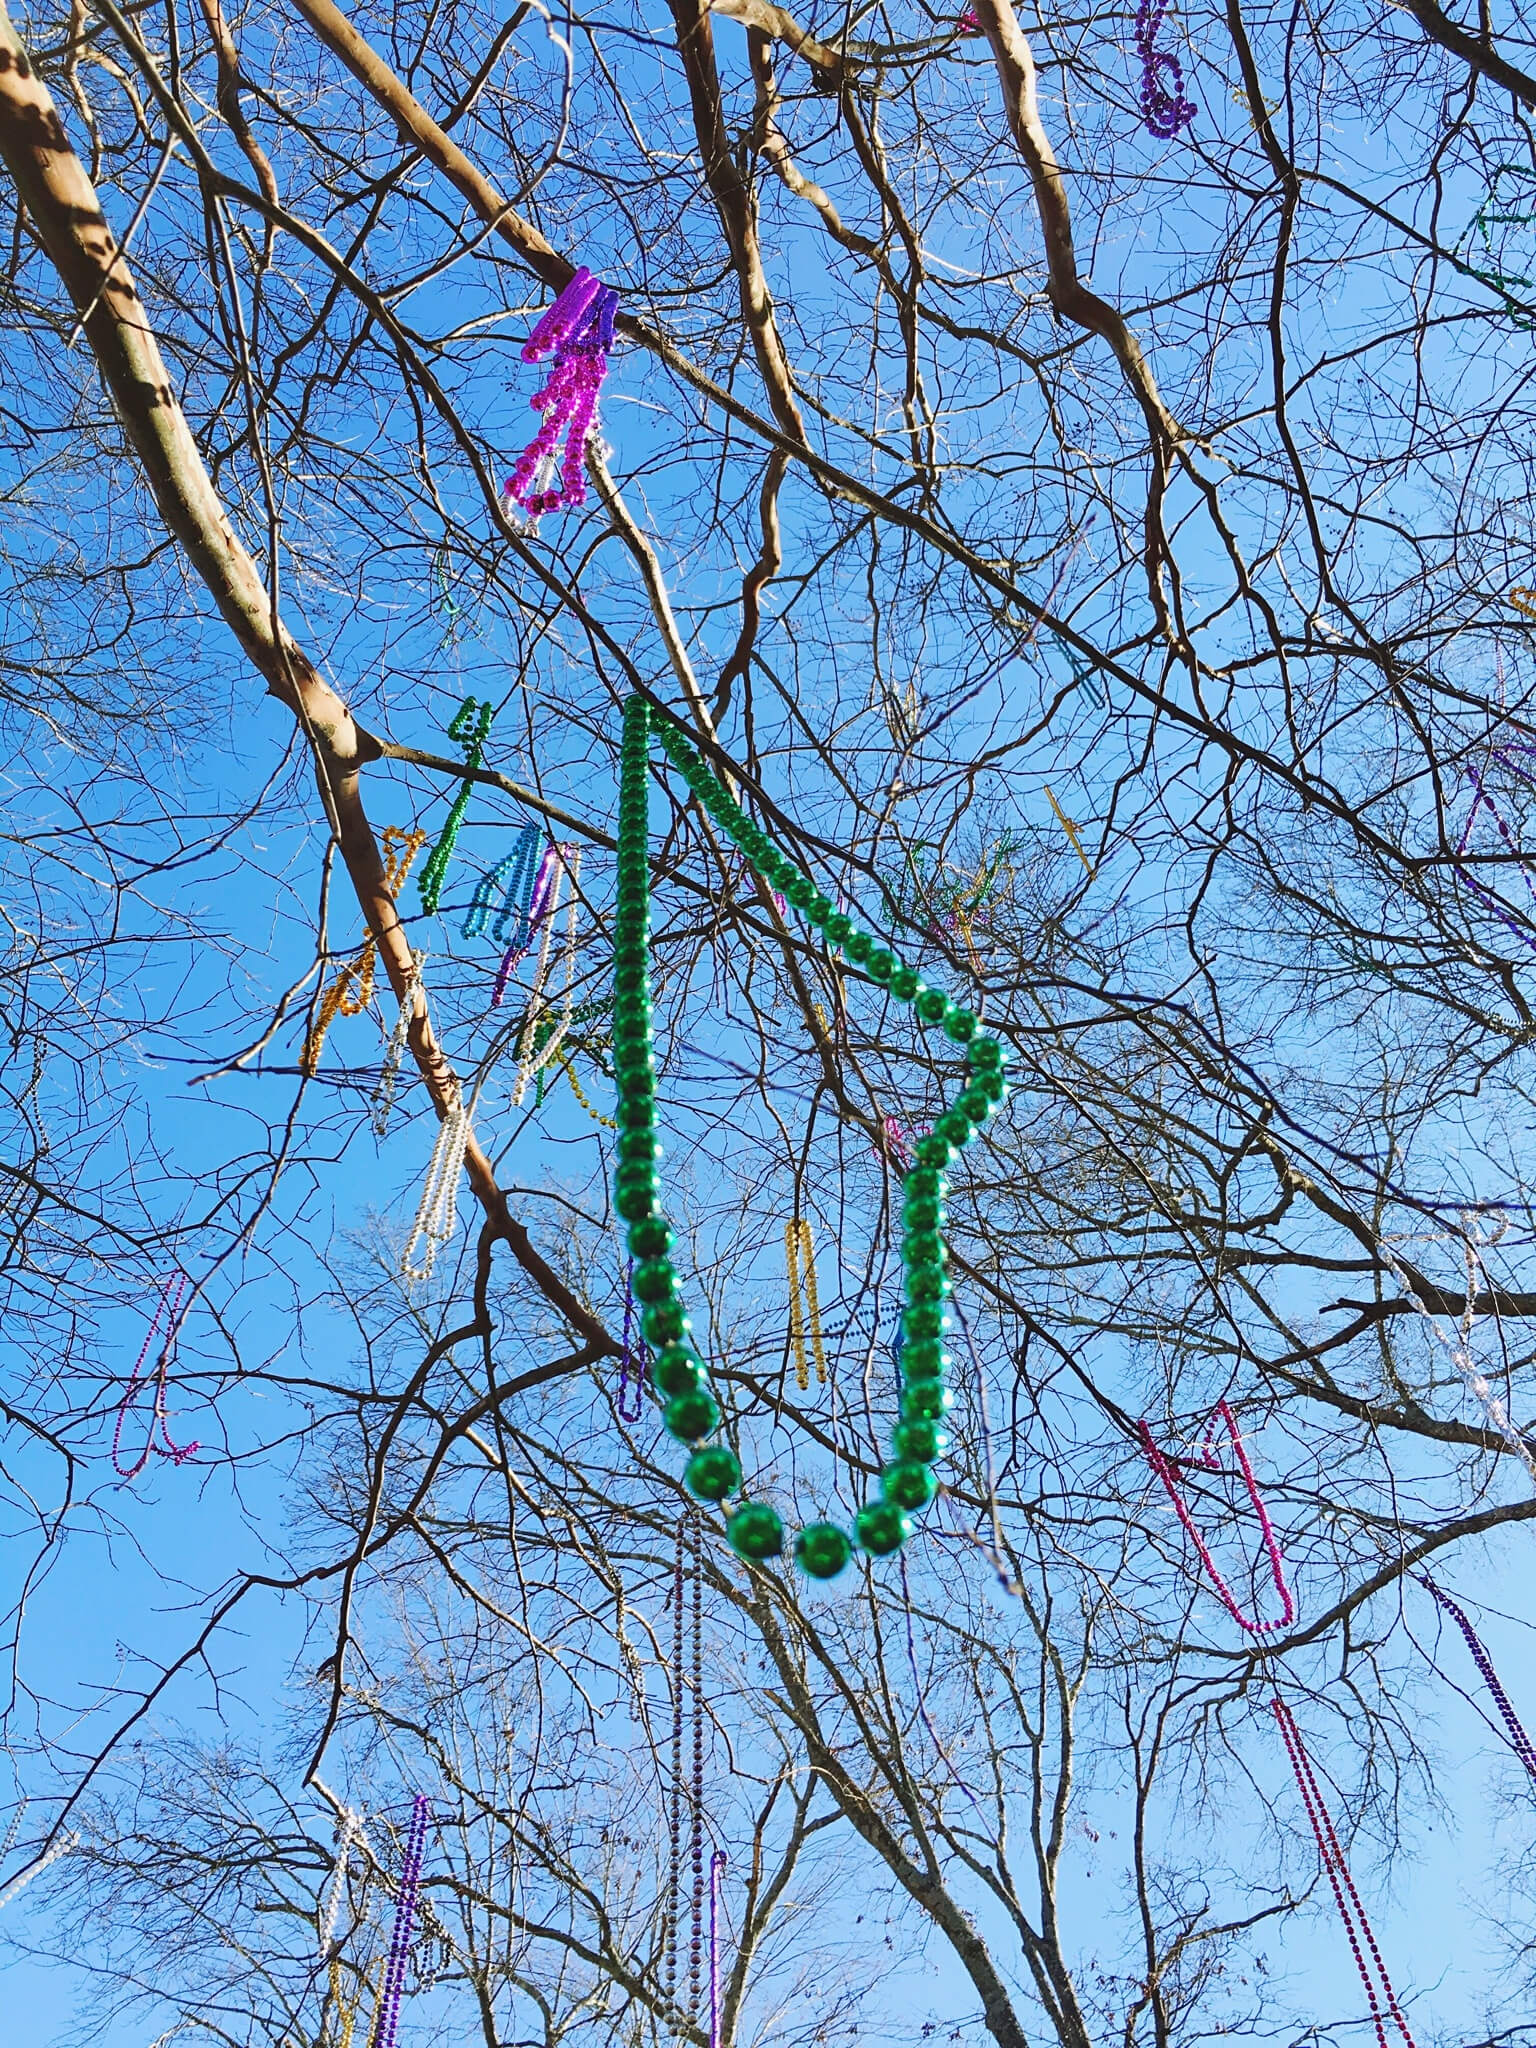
(690, 1411)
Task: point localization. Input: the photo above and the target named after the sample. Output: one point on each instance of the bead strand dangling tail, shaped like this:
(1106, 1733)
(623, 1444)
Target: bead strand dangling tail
(383, 1102)
(438, 1210)
(535, 1051)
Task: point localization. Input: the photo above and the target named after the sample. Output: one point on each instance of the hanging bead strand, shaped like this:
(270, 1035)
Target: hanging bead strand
(388, 2020)
(1162, 1465)
(352, 990)
(469, 727)
(1519, 1741)
(691, 1412)
(438, 1210)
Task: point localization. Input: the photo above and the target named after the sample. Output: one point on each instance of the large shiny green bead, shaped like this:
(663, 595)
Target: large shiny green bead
(905, 984)
(925, 1358)
(635, 1172)
(628, 982)
(974, 1104)
(665, 1323)
(822, 1550)
(926, 1183)
(926, 1284)
(956, 1130)
(817, 911)
(800, 889)
(651, 1239)
(755, 1532)
(839, 928)
(654, 1280)
(675, 1370)
(922, 1212)
(692, 1414)
(960, 1024)
(923, 1248)
(909, 1484)
(933, 1152)
(984, 1054)
(881, 1527)
(639, 1148)
(930, 1004)
(880, 965)
(635, 1112)
(923, 1442)
(634, 1201)
(990, 1085)
(713, 1472)
(858, 946)
(632, 1016)
(926, 1401)
(924, 1319)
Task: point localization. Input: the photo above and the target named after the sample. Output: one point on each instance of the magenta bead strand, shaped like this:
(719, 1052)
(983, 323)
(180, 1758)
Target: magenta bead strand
(1163, 1467)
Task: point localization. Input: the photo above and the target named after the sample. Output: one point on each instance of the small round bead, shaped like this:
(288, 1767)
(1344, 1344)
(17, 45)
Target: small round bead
(930, 1004)
(822, 1550)
(932, 1151)
(800, 889)
(675, 1370)
(881, 1527)
(817, 911)
(926, 1284)
(922, 1441)
(924, 1358)
(960, 1024)
(923, 1248)
(926, 1401)
(974, 1104)
(927, 1183)
(755, 1531)
(984, 1053)
(654, 1280)
(880, 965)
(713, 1472)
(909, 1484)
(905, 984)
(858, 946)
(924, 1319)
(692, 1414)
(652, 1238)
(839, 929)
(665, 1323)
(633, 1202)
(956, 1130)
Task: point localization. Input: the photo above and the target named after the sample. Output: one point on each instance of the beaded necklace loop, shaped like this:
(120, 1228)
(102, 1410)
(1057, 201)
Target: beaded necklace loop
(578, 329)
(631, 1357)
(383, 1102)
(687, 1651)
(1340, 1880)
(691, 1412)
(65, 1846)
(169, 1306)
(535, 1048)
(352, 990)
(530, 921)
(1162, 1465)
(346, 2014)
(349, 1831)
(1523, 598)
(387, 2020)
(1519, 1741)
(800, 1256)
(1483, 800)
(469, 727)
(1164, 108)
(437, 1213)
(512, 880)
(717, 1864)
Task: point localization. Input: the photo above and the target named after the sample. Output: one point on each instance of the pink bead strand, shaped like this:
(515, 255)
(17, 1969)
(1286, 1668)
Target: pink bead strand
(1163, 1467)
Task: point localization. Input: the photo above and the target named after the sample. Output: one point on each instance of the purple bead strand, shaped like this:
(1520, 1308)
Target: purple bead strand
(400, 1940)
(1164, 108)
(1519, 1741)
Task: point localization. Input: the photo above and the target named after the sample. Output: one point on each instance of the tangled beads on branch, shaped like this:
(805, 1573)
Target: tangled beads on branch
(579, 329)
(1164, 108)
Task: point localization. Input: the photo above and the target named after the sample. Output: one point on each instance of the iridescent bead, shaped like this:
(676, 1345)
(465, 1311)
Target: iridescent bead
(654, 1280)
(926, 1319)
(922, 1441)
(755, 1531)
(922, 1213)
(881, 1527)
(990, 1084)
(924, 1358)
(817, 911)
(926, 1401)
(634, 1066)
(713, 1472)
(628, 981)
(839, 929)
(665, 1323)
(974, 1104)
(926, 1284)
(633, 1202)
(636, 1112)
(651, 1239)
(934, 1152)
(984, 1053)
(927, 1183)
(956, 1130)
(858, 946)
(905, 984)
(880, 966)
(822, 1550)
(960, 1024)
(692, 1414)
(675, 1370)
(799, 889)
(909, 1484)
(923, 1248)
(930, 1004)
(639, 1148)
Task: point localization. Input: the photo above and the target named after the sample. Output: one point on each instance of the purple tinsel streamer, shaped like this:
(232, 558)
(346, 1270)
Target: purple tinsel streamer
(631, 1358)
(405, 1916)
(1163, 105)
(1519, 1741)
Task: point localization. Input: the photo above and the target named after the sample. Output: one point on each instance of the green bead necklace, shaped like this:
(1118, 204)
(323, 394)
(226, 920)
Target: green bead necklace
(691, 1412)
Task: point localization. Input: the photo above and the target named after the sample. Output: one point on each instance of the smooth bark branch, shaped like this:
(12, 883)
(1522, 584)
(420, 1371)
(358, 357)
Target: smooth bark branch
(62, 205)
(1471, 49)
